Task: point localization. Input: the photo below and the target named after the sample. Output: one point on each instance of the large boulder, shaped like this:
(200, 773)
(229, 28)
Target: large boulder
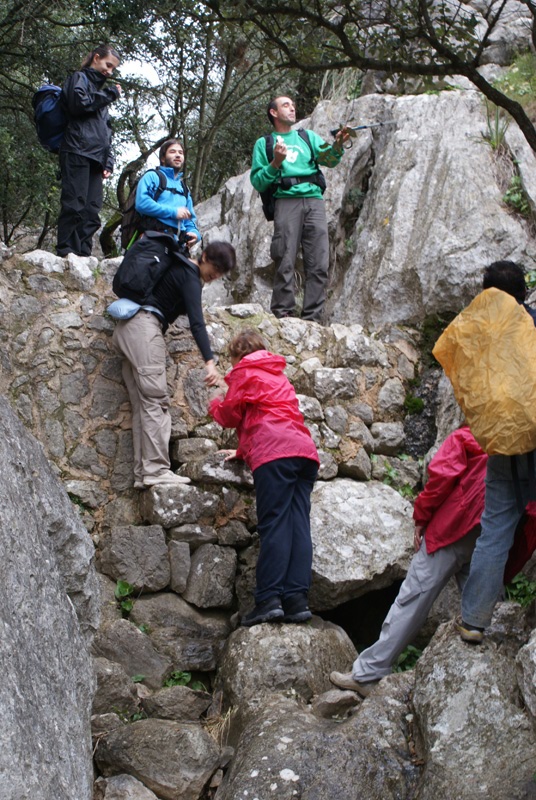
(362, 538)
(287, 752)
(49, 600)
(171, 759)
(467, 703)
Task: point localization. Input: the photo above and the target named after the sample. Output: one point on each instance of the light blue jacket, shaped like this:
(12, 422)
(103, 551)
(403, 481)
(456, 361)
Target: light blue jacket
(165, 208)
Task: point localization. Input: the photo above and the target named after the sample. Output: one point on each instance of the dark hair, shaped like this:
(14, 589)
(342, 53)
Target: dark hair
(272, 106)
(507, 276)
(101, 51)
(165, 147)
(246, 342)
(221, 255)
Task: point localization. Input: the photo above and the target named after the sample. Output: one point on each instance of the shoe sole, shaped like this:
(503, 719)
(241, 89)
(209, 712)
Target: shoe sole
(472, 637)
(300, 616)
(270, 616)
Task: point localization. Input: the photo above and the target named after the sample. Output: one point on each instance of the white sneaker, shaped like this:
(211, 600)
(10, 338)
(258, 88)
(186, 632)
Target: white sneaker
(167, 477)
(139, 485)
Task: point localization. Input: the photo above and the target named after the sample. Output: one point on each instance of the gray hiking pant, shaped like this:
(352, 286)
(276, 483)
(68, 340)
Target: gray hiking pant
(141, 343)
(427, 576)
(300, 221)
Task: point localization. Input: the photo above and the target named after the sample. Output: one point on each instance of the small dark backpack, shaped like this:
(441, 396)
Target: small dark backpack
(267, 197)
(133, 224)
(144, 265)
(49, 117)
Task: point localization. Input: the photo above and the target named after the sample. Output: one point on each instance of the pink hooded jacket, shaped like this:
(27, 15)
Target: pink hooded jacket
(262, 405)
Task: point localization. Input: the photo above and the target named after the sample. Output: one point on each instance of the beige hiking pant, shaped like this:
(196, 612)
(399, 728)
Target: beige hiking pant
(141, 343)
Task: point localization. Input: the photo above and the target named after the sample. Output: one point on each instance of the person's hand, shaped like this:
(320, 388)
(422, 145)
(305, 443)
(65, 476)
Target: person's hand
(106, 173)
(213, 377)
(183, 213)
(229, 454)
(119, 90)
(192, 239)
(417, 537)
(280, 153)
(341, 138)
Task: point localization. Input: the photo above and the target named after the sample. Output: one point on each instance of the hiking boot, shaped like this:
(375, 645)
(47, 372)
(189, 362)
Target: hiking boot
(296, 608)
(345, 680)
(470, 633)
(167, 477)
(268, 611)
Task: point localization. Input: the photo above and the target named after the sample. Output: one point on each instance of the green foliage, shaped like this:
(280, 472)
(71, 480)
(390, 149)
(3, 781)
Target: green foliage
(519, 81)
(407, 659)
(432, 328)
(521, 590)
(413, 405)
(497, 125)
(392, 479)
(179, 678)
(516, 198)
(138, 678)
(530, 278)
(123, 592)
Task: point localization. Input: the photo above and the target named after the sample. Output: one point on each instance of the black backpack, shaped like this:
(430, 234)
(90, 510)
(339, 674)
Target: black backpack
(267, 197)
(145, 264)
(132, 222)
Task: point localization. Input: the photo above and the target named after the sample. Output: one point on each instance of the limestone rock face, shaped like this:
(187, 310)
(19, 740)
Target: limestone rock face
(424, 202)
(138, 555)
(287, 752)
(526, 664)
(362, 533)
(466, 700)
(49, 601)
(282, 658)
(122, 787)
(149, 750)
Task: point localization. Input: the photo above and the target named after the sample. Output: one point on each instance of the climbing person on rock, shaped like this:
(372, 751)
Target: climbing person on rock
(85, 152)
(139, 338)
(447, 524)
(273, 441)
(286, 165)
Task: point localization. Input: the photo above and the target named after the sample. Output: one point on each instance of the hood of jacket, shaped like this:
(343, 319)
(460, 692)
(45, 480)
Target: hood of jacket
(262, 359)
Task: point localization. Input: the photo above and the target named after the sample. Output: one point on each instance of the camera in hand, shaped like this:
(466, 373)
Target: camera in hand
(183, 244)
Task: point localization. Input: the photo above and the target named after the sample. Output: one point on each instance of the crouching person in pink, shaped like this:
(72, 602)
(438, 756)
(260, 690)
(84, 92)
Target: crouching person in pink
(273, 441)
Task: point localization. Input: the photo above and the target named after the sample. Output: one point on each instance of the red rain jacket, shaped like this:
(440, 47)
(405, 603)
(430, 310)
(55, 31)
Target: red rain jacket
(452, 501)
(262, 405)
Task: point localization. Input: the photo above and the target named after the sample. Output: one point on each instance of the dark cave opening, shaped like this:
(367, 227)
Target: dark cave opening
(362, 618)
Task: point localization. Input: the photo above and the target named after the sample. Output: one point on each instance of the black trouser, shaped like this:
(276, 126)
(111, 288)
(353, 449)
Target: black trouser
(81, 201)
(283, 494)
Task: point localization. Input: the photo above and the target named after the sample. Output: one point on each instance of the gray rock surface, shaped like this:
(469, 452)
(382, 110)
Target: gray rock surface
(49, 600)
(122, 787)
(287, 752)
(467, 702)
(136, 554)
(178, 703)
(211, 577)
(282, 658)
(123, 642)
(148, 751)
(362, 537)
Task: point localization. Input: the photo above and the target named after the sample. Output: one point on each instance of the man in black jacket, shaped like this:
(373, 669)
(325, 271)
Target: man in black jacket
(85, 152)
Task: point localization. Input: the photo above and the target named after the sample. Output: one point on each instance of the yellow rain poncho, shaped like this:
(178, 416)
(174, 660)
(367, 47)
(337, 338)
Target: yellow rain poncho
(489, 353)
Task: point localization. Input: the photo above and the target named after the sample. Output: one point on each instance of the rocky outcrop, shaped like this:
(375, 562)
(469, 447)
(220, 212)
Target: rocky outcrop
(49, 600)
(415, 209)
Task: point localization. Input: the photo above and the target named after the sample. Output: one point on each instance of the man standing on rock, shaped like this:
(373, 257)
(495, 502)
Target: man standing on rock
(286, 164)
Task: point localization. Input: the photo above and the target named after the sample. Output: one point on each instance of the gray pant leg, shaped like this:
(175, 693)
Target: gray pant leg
(427, 575)
(315, 244)
(288, 224)
(141, 342)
